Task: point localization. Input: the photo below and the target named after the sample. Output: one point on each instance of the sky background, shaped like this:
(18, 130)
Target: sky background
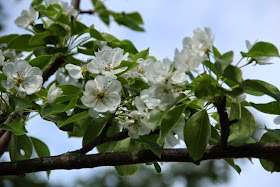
(167, 22)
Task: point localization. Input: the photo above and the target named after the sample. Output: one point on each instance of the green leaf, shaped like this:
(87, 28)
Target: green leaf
(197, 132)
(40, 147)
(127, 170)
(272, 164)
(233, 73)
(94, 128)
(17, 127)
(230, 161)
(132, 20)
(151, 140)
(257, 87)
(74, 118)
(39, 39)
(157, 167)
(262, 49)
(142, 54)
(124, 44)
(224, 61)
(96, 34)
(19, 103)
(41, 61)
(169, 121)
(78, 27)
(21, 43)
(206, 87)
(269, 108)
(155, 118)
(129, 65)
(20, 147)
(243, 129)
(7, 38)
(54, 108)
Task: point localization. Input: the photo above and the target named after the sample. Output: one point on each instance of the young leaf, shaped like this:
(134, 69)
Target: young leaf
(20, 148)
(197, 132)
(74, 118)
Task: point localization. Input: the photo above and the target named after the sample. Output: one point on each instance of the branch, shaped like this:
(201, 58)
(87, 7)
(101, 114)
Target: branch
(76, 5)
(224, 120)
(102, 139)
(52, 68)
(77, 161)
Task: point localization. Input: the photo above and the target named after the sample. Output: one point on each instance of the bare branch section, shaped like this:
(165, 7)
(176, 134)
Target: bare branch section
(77, 161)
(76, 5)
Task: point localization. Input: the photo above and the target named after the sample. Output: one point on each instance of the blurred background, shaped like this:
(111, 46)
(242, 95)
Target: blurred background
(167, 23)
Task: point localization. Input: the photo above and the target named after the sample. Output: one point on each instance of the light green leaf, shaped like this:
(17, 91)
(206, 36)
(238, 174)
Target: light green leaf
(96, 34)
(197, 132)
(94, 128)
(230, 161)
(243, 129)
(224, 61)
(127, 170)
(142, 54)
(17, 127)
(19, 103)
(262, 49)
(169, 121)
(20, 147)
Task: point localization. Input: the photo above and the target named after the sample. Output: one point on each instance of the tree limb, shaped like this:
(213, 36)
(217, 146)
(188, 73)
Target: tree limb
(77, 161)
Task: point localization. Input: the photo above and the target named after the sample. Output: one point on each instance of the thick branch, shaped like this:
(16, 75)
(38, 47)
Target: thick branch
(78, 161)
(52, 68)
(224, 120)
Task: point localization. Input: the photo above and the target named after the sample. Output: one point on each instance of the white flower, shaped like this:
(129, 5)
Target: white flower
(53, 93)
(76, 72)
(202, 39)
(63, 78)
(188, 59)
(277, 120)
(140, 70)
(27, 18)
(2, 58)
(148, 100)
(240, 98)
(25, 78)
(101, 94)
(106, 61)
(259, 60)
(137, 124)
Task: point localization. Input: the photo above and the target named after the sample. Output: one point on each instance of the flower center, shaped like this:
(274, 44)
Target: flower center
(139, 70)
(19, 80)
(108, 68)
(100, 95)
(84, 70)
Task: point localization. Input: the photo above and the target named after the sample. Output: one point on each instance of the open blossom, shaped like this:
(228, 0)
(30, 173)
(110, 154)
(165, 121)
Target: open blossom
(259, 60)
(53, 93)
(162, 73)
(2, 58)
(27, 18)
(193, 52)
(107, 60)
(101, 94)
(25, 78)
(76, 72)
(139, 71)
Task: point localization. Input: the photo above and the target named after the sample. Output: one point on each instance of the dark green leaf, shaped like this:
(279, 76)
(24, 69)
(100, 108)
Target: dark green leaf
(169, 121)
(94, 128)
(7, 38)
(124, 44)
(96, 34)
(151, 140)
(224, 61)
(41, 61)
(142, 54)
(20, 148)
(230, 161)
(19, 103)
(206, 87)
(233, 73)
(157, 167)
(40, 147)
(21, 43)
(197, 132)
(74, 118)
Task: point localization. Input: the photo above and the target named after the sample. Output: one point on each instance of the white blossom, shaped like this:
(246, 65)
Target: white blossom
(53, 93)
(137, 124)
(259, 60)
(63, 78)
(159, 72)
(139, 71)
(27, 18)
(25, 78)
(106, 61)
(171, 139)
(76, 72)
(101, 94)
(202, 40)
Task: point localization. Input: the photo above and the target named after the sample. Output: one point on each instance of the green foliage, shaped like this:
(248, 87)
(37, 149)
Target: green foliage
(262, 49)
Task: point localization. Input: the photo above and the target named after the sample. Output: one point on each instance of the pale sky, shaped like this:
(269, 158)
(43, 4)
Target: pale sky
(167, 22)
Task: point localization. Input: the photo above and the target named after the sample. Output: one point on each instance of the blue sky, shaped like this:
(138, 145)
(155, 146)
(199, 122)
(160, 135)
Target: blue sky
(167, 23)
